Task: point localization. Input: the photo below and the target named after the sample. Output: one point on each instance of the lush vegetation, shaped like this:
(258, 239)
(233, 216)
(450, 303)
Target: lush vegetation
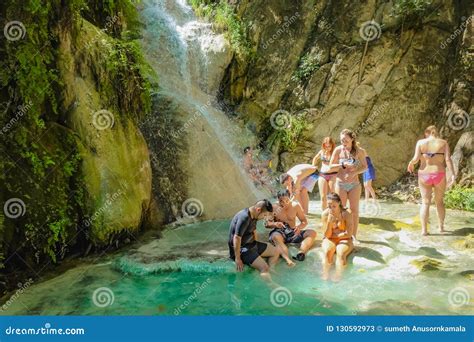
(287, 137)
(411, 12)
(307, 65)
(42, 163)
(459, 197)
(222, 15)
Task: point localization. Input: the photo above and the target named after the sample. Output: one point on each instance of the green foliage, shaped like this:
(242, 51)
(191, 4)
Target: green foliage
(224, 19)
(307, 65)
(411, 11)
(43, 166)
(289, 136)
(459, 197)
(126, 70)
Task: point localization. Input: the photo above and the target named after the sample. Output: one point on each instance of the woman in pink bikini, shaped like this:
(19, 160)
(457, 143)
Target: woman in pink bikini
(349, 159)
(327, 177)
(433, 153)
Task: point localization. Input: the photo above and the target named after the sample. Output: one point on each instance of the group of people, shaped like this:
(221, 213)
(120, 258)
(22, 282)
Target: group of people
(338, 182)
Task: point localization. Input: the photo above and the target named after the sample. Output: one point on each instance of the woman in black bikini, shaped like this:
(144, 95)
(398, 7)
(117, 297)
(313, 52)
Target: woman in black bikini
(327, 177)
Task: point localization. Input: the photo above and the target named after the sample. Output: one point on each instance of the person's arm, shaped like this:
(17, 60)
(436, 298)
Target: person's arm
(334, 164)
(273, 223)
(349, 225)
(362, 162)
(316, 158)
(449, 164)
(415, 159)
(238, 261)
(302, 217)
(326, 228)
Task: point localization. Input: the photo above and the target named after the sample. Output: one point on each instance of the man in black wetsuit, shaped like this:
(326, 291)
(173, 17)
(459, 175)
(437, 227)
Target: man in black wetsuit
(243, 246)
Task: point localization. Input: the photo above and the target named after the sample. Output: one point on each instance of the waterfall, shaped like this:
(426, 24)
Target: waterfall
(190, 59)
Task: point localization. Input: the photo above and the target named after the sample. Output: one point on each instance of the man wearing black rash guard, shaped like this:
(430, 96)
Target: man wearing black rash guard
(243, 246)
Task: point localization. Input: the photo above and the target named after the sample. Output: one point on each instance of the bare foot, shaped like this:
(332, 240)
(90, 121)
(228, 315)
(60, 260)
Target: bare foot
(290, 263)
(425, 233)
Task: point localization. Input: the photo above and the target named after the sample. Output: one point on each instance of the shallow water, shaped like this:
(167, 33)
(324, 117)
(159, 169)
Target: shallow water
(187, 272)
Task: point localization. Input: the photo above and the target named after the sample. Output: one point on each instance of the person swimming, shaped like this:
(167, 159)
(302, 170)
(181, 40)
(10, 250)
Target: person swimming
(350, 160)
(433, 152)
(327, 176)
(337, 226)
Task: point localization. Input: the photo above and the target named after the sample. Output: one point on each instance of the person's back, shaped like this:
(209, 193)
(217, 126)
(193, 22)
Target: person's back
(432, 154)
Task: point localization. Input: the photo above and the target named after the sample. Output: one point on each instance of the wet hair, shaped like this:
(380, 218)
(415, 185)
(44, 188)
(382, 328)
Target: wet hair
(247, 149)
(353, 136)
(432, 130)
(284, 177)
(328, 140)
(283, 193)
(332, 196)
(265, 205)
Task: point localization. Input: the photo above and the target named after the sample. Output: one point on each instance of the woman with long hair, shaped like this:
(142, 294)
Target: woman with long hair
(434, 154)
(327, 177)
(337, 227)
(349, 158)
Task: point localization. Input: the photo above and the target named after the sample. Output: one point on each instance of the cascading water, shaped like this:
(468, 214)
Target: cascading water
(189, 59)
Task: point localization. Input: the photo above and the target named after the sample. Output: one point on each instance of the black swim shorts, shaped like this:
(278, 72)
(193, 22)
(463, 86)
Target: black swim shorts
(249, 253)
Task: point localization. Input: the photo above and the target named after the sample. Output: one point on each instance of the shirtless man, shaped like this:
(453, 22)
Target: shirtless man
(299, 180)
(285, 229)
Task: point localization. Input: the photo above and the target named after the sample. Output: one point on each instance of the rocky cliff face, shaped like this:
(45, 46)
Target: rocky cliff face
(75, 167)
(386, 69)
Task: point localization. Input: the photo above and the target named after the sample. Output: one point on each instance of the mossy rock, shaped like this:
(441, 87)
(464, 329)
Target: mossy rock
(427, 264)
(466, 243)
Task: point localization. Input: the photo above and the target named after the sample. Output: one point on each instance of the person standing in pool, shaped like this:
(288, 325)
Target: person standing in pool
(434, 155)
(285, 230)
(349, 158)
(299, 180)
(337, 227)
(368, 176)
(327, 177)
(243, 245)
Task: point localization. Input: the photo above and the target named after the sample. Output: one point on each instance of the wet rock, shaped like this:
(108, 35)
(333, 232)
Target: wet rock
(427, 264)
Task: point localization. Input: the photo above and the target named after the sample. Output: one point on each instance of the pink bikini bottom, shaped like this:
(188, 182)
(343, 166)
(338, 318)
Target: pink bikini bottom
(432, 178)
